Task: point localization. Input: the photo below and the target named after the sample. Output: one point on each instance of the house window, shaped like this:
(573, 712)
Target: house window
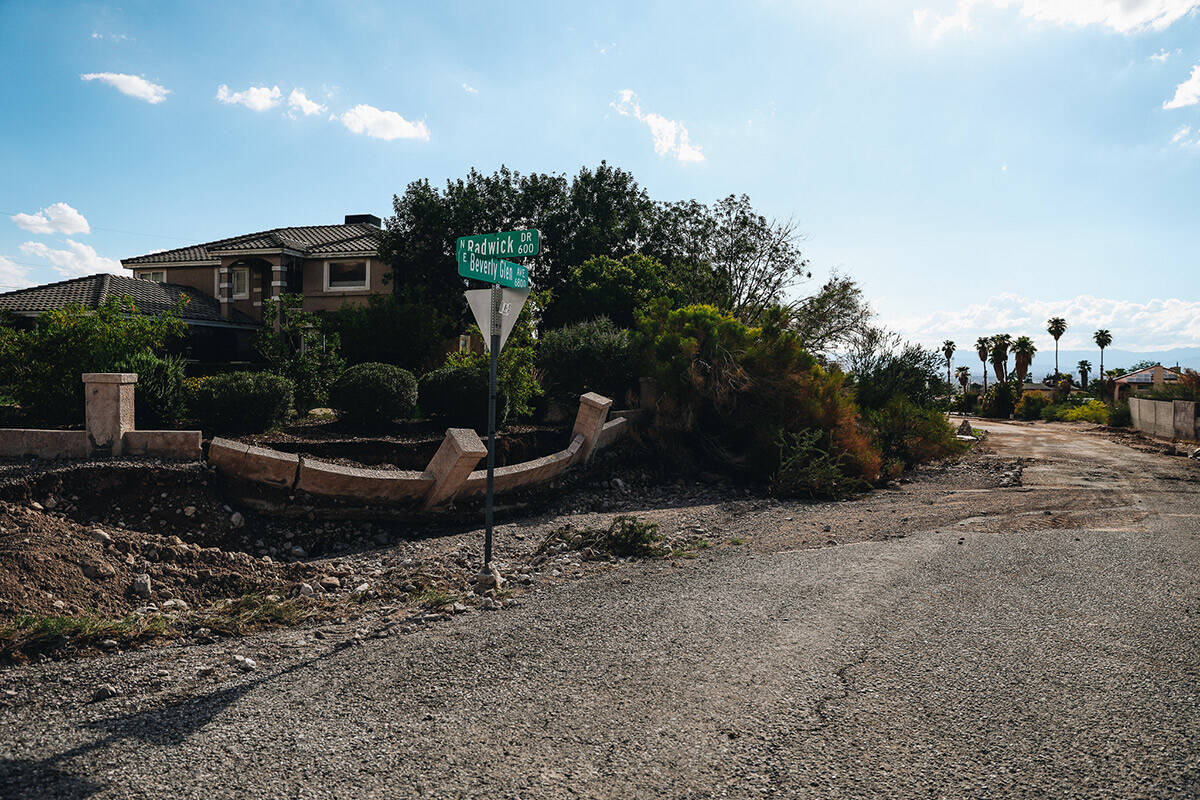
(158, 276)
(347, 275)
(239, 283)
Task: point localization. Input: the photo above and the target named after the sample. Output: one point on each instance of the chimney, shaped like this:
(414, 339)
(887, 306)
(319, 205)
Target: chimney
(367, 219)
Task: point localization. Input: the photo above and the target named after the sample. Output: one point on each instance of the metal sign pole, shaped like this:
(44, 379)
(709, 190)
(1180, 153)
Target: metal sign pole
(491, 457)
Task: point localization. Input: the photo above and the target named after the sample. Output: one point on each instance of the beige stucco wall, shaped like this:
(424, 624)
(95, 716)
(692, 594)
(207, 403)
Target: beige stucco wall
(317, 299)
(202, 279)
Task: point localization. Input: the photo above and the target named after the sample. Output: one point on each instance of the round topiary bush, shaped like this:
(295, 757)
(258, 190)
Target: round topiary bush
(457, 396)
(240, 401)
(373, 393)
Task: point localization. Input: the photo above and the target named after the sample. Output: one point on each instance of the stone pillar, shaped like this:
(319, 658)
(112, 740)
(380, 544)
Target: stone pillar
(452, 464)
(224, 292)
(109, 408)
(593, 411)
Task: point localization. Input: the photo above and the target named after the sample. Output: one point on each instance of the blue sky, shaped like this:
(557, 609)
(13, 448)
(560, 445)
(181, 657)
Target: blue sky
(978, 166)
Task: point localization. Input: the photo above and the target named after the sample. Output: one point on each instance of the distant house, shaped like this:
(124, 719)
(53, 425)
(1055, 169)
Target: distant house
(330, 265)
(215, 334)
(1144, 380)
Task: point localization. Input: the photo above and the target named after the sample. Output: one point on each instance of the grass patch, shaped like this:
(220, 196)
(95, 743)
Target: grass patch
(30, 634)
(254, 612)
(435, 598)
(736, 541)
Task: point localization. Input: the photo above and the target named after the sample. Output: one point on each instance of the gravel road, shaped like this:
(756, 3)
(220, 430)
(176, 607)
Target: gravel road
(1037, 640)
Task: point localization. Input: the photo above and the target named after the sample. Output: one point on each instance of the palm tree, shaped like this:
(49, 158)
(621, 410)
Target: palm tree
(1084, 368)
(983, 346)
(1103, 339)
(1056, 327)
(999, 357)
(948, 349)
(1023, 349)
(963, 374)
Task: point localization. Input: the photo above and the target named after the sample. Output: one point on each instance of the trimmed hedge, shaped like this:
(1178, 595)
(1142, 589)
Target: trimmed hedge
(241, 401)
(457, 395)
(374, 393)
(593, 356)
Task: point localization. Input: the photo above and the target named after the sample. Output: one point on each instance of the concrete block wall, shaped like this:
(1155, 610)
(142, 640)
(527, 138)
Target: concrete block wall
(109, 428)
(1168, 419)
(448, 476)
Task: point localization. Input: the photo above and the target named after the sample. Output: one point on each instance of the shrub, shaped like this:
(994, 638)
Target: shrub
(1091, 411)
(999, 402)
(731, 390)
(913, 435)
(241, 401)
(457, 395)
(587, 356)
(808, 470)
(965, 402)
(374, 393)
(159, 390)
(627, 536)
(1030, 406)
(1120, 416)
(42, 366)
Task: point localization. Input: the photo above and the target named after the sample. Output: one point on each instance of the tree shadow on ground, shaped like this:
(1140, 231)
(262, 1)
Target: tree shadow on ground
(168, 725)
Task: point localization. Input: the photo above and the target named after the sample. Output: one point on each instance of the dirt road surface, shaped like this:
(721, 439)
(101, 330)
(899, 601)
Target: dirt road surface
(1036, 640)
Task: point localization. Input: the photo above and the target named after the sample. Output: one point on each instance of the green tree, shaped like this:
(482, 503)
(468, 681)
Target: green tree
(999, 355)
(1056, 327)
(983, 347)
(1023, 351)
(1103, 339)
(43, 365)
(948, 349)
(1084, 368)
(293, 341)
(617, 289)
(963, 374)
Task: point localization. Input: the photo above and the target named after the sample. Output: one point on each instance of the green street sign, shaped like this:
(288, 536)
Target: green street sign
(493, 270)
(510, 244)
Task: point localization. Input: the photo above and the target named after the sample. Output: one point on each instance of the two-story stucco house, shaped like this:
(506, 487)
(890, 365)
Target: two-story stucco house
(329, 264)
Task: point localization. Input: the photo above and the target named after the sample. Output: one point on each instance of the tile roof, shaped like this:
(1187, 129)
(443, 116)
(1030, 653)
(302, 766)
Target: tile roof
(308, 239)
(93, 290)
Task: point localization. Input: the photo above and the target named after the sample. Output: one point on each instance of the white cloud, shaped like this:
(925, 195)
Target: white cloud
(256, 98)
(1155, 324)
(1122, 16)
(55, 218)
(380, 124)
(470, 89)
(1163, 55)
(1186, 93)
(670, 137)
(13, 276)
(1181, 135)
(298, 101)
(132, 85)
(78, 259)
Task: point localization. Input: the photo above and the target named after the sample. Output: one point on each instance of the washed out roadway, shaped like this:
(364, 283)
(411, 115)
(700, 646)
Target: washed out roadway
(1030, 650)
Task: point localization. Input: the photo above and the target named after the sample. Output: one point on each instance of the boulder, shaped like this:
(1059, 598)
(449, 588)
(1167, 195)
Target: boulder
(141, 586)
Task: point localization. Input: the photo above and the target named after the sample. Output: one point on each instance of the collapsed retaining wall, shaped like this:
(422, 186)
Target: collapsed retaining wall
(449, 475)
(1169, 419)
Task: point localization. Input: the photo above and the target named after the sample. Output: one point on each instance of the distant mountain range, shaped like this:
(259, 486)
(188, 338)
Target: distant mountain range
(1043, 362)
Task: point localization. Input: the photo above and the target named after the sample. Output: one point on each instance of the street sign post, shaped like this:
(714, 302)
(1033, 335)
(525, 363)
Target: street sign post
(496, 310)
